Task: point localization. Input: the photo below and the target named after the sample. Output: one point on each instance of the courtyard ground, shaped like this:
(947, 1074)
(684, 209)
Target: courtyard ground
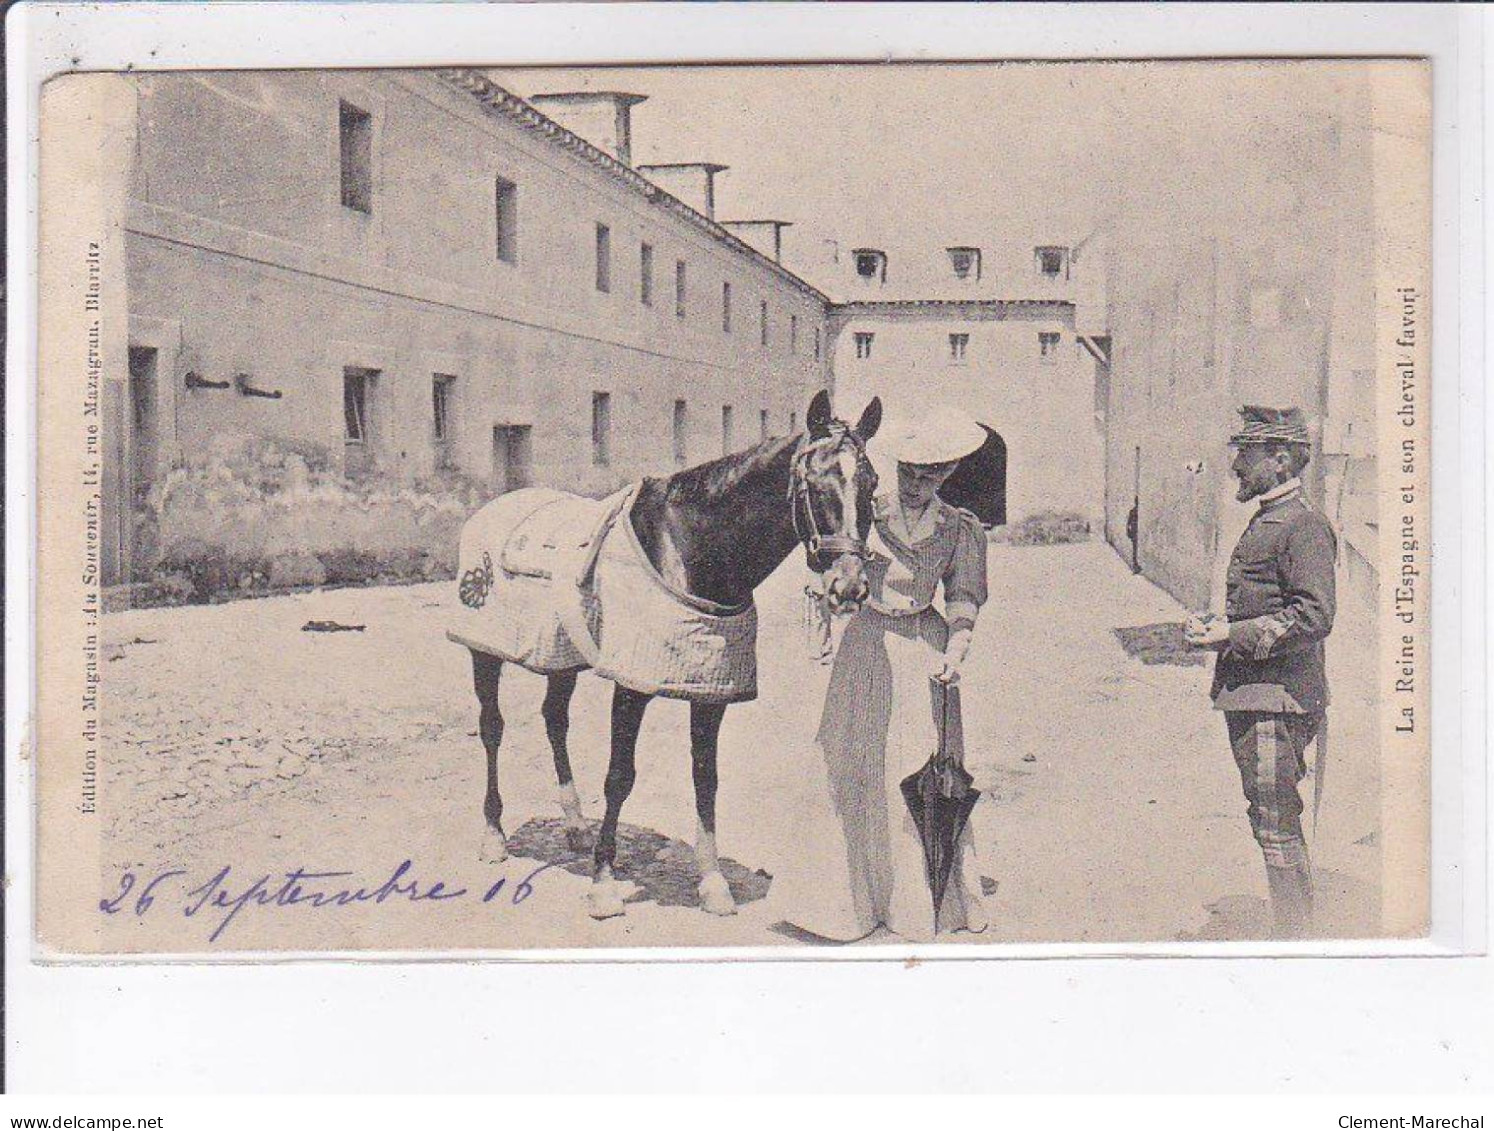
(1111, 809)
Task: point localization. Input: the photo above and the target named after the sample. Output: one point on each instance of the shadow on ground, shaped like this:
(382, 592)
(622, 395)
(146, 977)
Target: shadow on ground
(1160, 644)
(663, 868)
(1345, 908)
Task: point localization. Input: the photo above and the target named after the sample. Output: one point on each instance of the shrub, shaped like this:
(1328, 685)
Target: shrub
(1049, 528)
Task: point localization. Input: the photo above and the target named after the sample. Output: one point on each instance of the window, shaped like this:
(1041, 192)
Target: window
(360, 427)
(646, 274)
(864, 346)
(681, 433)
(506, 207)
(817, 343)
(679, 288)
(793, 333)
(1052, 261)
(762, 422)
(601, 429)
(726, 429)
(604, 258)
(965, 261)
(871, 264)
(355, 143)
(957, 344)
(726, 308)
(1048, 346)
(357, 390)
(441, 397)
(762, 324)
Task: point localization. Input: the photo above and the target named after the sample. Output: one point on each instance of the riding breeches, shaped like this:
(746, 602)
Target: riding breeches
(1269, 752)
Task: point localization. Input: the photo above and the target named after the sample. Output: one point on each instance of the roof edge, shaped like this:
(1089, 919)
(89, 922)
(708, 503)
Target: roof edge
(915, 303)
(495, 98)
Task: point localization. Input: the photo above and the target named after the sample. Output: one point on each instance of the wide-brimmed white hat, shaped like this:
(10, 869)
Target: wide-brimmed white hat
(943, 436)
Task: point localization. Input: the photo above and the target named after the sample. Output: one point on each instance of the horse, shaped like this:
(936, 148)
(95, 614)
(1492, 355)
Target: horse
(713, 532)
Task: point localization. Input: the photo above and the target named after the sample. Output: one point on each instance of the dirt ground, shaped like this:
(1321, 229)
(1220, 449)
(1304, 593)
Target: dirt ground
(1111, 808)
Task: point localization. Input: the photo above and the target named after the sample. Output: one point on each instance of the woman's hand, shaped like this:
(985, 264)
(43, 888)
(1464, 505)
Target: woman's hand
(947, 672)
(948, 669)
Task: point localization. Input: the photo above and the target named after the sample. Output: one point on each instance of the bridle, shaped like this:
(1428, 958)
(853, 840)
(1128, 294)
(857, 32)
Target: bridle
(817, 542)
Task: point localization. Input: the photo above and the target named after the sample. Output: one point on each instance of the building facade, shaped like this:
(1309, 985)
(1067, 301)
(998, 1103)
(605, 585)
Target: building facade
(1273, 303)
(1008, 333)
(415, 289)
(1269, 302)
(362, 302)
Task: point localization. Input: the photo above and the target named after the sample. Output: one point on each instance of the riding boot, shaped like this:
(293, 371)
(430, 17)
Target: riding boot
(1291, 899)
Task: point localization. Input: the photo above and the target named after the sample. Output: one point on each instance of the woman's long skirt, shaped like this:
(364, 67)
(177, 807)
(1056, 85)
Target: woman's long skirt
(860, 863)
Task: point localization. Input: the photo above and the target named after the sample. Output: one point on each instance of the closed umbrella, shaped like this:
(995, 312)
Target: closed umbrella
(940, 797)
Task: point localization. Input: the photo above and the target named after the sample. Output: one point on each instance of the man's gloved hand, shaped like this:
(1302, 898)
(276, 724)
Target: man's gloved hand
(1209, 632)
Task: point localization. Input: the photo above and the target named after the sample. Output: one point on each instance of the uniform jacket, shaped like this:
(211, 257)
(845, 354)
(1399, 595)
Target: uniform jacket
(1280, 602)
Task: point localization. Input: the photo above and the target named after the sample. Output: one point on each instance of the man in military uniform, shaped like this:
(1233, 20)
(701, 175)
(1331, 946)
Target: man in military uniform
(1269, 679)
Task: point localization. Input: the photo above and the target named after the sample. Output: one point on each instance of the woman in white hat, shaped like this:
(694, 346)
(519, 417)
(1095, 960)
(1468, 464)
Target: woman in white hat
(879, 723)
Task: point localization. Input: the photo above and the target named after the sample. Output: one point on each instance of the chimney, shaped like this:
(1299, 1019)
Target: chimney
(693, 182)
(765, 235)
(602, 117)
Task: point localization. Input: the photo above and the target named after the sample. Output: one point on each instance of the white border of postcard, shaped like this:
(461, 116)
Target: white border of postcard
(563, 996)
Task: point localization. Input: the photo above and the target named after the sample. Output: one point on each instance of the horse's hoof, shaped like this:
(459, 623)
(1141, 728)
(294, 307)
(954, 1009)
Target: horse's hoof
(578, 839)
(494, 847)
(605, 900)
(715, 895)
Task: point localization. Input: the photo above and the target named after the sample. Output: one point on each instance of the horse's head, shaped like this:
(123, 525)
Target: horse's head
(830, 490)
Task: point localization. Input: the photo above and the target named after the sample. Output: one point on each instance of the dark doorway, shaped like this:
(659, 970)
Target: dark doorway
(144, 445)
(116, 486)
(360, 423)
(131, 432)
(1133, 519)
(512, 457)
(143, 419)
(979, 483)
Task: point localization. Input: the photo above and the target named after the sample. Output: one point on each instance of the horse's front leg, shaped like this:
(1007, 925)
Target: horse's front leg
(606, 897)
(705, 729)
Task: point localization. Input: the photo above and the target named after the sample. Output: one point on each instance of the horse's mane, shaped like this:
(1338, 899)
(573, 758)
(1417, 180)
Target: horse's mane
(708, 481)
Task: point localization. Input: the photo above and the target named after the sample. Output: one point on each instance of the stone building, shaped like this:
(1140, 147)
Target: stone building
(1011, 333)
(359, 302)
(362, 302)
(1245, 272)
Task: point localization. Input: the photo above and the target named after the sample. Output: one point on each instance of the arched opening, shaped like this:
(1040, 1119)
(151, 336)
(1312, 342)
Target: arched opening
(979, 483)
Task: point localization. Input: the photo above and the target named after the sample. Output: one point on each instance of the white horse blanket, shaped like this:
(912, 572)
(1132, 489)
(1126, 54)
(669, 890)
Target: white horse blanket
(557, 582)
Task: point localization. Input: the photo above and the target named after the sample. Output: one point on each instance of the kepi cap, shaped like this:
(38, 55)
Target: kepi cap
(1262, 425)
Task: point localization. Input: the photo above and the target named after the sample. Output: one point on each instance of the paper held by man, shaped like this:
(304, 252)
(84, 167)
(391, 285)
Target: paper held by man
(894, 545)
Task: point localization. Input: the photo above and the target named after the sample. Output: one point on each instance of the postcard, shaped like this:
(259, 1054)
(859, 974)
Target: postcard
(805, 506)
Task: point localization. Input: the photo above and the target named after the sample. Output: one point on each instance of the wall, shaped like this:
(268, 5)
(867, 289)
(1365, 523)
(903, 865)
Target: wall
(1266, 298)
(1042, 407)
(242, 259)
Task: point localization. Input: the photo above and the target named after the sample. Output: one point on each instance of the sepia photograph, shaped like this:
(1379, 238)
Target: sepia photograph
(816, 507)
